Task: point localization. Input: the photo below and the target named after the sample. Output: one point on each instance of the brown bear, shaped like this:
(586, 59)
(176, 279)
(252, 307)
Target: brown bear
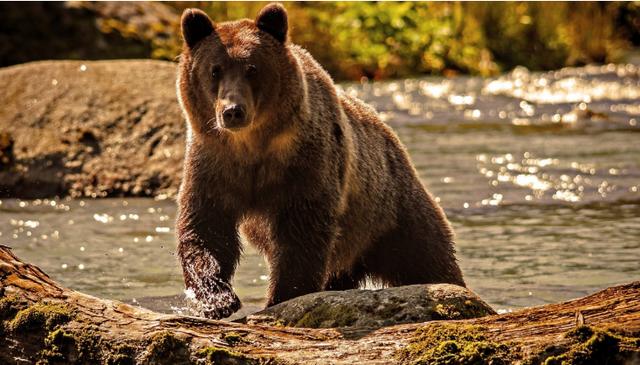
(308, 174)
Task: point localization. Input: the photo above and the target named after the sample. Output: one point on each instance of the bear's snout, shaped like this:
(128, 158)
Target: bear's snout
(234, 116)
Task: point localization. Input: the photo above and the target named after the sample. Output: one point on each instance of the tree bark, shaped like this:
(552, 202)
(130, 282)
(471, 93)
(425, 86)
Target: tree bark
(44, 322)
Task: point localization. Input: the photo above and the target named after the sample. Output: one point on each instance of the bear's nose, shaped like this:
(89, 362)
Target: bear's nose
(234, 115)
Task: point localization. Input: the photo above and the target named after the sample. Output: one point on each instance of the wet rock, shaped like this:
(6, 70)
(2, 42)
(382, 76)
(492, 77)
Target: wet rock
(96, 129)
(375, 308)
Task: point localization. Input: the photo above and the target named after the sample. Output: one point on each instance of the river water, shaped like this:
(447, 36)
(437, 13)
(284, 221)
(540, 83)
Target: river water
(538, 172)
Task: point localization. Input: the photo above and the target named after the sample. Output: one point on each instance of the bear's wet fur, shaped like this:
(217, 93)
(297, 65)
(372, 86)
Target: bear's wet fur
(308, 174)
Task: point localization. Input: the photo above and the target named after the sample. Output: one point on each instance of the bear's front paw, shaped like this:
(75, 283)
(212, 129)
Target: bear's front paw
(221, 305)
(216, 299)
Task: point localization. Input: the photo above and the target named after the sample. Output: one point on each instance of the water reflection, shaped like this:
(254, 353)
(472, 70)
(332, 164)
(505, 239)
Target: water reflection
(105, 247)
(591, 98)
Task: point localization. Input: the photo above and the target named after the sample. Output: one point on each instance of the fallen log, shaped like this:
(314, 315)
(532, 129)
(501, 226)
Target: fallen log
(42, 322)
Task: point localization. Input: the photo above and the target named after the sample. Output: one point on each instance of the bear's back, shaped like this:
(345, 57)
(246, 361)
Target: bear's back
(379, 165)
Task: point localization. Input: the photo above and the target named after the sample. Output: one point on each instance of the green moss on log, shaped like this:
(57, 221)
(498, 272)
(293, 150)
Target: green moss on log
(461, 344)
(53, 351)
(62, 346)
(328, 316)
(165, 348)
(233, 338)
(40, 316)
(120, 354)
(10, 306)
(59, 348)
(440, 344)
(592, 345)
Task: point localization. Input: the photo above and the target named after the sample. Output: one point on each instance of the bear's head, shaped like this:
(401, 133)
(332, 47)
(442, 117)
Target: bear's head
(234, 75)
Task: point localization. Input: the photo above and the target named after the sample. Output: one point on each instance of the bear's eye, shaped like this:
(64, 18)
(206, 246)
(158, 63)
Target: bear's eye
(215, 71)
(251, 70)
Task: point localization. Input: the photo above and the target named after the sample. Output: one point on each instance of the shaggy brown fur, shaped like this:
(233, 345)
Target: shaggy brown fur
(312, 177)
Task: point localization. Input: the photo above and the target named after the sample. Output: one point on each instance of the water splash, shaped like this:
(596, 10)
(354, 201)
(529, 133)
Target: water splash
(213, 297)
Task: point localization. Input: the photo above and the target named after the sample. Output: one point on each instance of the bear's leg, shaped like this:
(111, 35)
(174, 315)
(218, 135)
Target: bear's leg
(209, 250)
(406, 256)
(298, 263)
(296, 273)
(346, 280)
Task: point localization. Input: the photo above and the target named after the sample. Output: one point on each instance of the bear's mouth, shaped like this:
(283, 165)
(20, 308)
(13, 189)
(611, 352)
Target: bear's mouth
(234, 128)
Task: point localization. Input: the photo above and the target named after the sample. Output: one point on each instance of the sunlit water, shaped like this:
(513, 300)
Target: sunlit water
(538, 172)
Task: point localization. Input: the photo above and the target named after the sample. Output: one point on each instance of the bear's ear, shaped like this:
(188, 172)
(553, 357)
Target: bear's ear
(195, 26)
(273, 20)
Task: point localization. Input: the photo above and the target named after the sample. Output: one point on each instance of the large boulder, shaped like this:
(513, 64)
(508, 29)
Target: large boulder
(82, 128)
(375, 308)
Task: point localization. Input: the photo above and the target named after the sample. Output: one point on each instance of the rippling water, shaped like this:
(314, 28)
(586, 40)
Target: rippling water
(538, 172)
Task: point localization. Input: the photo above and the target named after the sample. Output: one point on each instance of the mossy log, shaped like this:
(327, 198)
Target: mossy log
(43, 322)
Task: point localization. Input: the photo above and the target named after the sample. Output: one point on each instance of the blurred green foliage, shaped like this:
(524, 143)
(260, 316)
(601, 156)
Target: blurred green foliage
(395, 39)
(388, 39)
